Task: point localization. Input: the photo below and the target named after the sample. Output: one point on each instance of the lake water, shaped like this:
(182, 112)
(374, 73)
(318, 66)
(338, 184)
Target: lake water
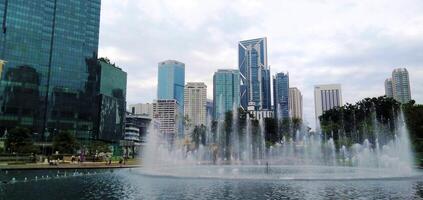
(132, 184)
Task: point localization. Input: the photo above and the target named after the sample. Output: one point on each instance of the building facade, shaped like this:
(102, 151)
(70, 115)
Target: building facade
(281, 95)
(209, 108)
(196, 103)
(48, 82)
(112, 101)
(225, 92)
(388, 88)
(145, 109)
(401, 85)
(166, 113)
(254, 74)
(295, 103)
(326, 97)
(171, 83)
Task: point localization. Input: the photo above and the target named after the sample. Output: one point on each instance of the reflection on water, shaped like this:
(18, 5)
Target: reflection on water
(128, 184)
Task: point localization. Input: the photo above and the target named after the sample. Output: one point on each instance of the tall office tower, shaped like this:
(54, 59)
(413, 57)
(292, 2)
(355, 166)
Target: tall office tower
(47, 83)
(171, 83)
(388, 88)
(295, 103)
(326, 97)
(166, 113)
(225, 92)
(255, 74)
(401, 85)
(196, 103)
(145, 109)
(281, 95)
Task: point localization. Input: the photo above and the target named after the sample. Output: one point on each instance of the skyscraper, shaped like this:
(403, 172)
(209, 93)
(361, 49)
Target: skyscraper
(225, 92)
(47, 83)
(281, 95)
(254, 74)
(401, 85)
(196, 103)
(388, 88)
(295, 103)
(326, 97)
(171, 83)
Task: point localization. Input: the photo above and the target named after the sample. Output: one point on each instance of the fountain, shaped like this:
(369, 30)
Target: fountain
(233, 152)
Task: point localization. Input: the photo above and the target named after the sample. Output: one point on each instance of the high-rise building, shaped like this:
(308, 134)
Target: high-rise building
(166, 113)
(401, 85)
(326, 97)
(144, 109)
(295, 103)
(254, 74)
(281, 95)
(195, 103)
(225, 92)
(112, 100)
(49, 80)
(388, 88)
(171, 83)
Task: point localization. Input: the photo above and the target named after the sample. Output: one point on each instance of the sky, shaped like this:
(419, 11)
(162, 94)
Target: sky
(354, 43)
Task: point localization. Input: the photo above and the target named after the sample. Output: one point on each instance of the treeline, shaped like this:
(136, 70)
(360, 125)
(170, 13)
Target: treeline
(372, 118)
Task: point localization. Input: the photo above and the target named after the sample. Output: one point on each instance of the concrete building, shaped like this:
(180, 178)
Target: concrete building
(225, 92)
(254, 74)
(295, 103)
(196, 103)
(388, 88)
(145, 109)
(281, 95)
(326, 97)
(401, 85)
(166, 113)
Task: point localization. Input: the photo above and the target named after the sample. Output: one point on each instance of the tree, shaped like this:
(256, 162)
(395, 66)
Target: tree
(198, 135)
(98, 147)
(19, 141)
(64, 142)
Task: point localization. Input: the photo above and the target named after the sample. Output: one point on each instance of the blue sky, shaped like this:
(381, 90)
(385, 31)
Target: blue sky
(354, 43)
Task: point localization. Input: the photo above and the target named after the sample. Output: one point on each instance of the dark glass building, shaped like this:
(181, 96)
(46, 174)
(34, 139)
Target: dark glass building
(254, 74)
(281, 95)
(50, 79)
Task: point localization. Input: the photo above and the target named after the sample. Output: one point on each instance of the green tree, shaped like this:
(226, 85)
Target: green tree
(64, 142)
(98, 147)
(198, 135)
(19, 141)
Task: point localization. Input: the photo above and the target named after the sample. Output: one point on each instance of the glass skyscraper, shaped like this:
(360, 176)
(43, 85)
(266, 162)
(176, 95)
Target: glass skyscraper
(225, 92)
(171, 83)
(50, 77)
(254, 74)
(281, 95)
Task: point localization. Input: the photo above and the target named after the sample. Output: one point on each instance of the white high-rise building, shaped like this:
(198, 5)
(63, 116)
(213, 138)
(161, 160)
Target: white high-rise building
(401, 85)
(295, 103)
(166, 115)
(326, 97)
(195, 103)
(388, 88)
(145, 109)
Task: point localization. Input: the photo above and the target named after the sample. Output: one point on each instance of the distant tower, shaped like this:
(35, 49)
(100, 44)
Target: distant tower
(225, 92)
(388, 88)
(281, 95)
(401, 85)
(171, 83)
(326, 97)
(196, 103)
(254, 74)
(295, 103)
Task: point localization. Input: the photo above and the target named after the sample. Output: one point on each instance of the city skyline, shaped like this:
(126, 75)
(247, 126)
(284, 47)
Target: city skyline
(315, 55)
